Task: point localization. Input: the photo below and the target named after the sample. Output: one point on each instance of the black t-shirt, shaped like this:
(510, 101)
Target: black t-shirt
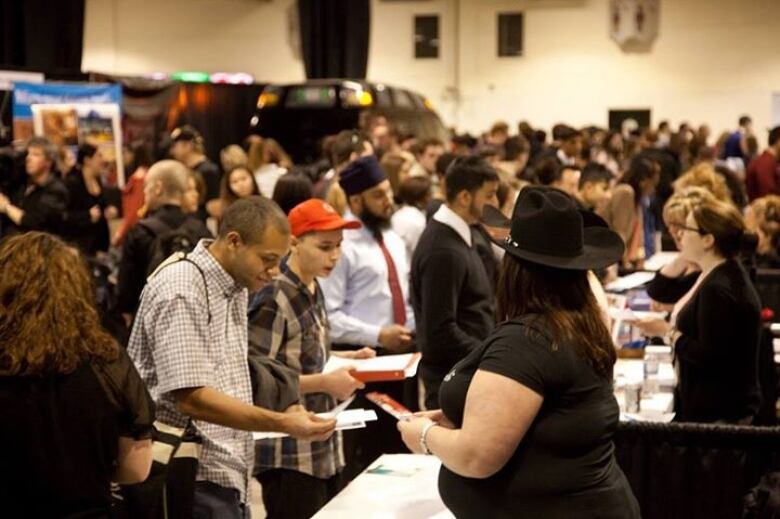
(565, 464)
(60, 437)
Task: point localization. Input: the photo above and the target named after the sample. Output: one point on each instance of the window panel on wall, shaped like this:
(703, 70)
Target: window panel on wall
(426, 36)
(510, 35)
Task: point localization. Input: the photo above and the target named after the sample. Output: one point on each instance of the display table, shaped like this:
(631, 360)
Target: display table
(395, 486)
(633, 370)
(655, 407)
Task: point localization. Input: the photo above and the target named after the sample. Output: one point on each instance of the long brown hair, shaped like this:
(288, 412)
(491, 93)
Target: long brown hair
(564, 299)
(226, 192)
(48, 320)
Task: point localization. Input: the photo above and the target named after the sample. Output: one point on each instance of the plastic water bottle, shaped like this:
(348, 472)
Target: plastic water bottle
(650, 369)
(633, 397)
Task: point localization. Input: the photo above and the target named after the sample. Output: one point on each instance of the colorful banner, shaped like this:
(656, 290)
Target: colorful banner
(73, 114)
(73, 124)
(28, 94)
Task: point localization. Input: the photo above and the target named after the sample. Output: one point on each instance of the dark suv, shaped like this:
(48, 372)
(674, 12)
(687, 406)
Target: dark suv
(299, 115)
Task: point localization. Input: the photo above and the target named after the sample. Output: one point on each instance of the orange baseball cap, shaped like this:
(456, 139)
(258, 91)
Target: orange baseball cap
(317, 215)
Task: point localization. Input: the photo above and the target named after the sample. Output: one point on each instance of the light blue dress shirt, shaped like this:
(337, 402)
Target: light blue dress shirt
(357, 292)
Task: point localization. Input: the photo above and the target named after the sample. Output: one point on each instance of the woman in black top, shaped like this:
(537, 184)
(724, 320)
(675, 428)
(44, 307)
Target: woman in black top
(76, 414)
(526, 421)
(676, 278)
(85, 222)
(716, 326)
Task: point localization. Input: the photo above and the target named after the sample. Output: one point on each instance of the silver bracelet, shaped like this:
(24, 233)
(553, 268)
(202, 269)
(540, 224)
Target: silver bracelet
(423, 434)
(669, 336)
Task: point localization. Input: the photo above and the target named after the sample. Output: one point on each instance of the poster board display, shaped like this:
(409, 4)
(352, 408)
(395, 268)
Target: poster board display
(73, 114)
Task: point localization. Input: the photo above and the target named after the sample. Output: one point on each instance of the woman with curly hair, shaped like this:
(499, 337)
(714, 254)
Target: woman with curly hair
(762, 217)
(678, 276)
(704, 175)
(76, 414)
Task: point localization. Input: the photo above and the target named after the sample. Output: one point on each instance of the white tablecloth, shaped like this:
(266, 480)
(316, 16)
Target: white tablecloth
(411, 493)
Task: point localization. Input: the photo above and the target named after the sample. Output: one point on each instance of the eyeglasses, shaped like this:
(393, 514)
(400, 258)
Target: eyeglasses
(692, 229)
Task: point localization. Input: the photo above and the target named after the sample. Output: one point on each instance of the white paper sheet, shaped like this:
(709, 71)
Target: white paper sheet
(345, 420)
(637, 279)
(659, 260)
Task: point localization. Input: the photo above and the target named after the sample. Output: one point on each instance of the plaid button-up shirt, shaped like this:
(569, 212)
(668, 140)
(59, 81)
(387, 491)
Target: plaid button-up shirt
(187, 334)
(289, 323)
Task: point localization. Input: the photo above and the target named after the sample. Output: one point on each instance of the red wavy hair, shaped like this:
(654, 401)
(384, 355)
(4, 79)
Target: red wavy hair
(48, 320)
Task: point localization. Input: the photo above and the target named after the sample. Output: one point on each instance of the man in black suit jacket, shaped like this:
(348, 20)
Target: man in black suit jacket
(452, 296)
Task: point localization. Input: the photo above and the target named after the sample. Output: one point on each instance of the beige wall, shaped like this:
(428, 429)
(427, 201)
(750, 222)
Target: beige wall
(144, 36)
(391, 51)
(713, 59)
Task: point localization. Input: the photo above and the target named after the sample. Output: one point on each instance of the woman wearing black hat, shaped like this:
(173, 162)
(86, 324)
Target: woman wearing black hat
(526, 421)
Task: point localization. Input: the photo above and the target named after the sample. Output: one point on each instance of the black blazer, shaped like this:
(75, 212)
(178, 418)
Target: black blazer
(670, 290)
(717, 352)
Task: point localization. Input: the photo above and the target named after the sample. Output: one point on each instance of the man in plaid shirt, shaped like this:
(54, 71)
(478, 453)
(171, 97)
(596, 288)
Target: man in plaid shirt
(189, 342)
(289, 323)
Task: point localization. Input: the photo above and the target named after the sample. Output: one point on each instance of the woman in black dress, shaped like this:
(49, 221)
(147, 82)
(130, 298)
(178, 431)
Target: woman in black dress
(526, 421)
(75, 413)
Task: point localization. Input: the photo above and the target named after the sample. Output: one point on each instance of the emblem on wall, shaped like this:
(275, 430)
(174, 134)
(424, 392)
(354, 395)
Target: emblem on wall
(633, 24)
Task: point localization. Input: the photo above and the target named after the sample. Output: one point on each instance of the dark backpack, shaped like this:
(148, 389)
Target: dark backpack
(170, 240)
(106, 300)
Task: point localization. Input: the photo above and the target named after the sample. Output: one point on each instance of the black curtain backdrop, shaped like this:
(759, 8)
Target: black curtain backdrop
(42, 35)
(221, 113)
(153, 108)
(334, 37)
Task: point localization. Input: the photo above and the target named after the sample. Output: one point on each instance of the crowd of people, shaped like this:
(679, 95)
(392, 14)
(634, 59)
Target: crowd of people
(211, 300)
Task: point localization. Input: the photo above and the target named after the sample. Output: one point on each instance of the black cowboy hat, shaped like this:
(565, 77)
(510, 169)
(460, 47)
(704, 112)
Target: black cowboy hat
(547, 228)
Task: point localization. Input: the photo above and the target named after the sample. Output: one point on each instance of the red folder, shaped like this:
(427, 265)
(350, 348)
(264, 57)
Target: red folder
(378, 371)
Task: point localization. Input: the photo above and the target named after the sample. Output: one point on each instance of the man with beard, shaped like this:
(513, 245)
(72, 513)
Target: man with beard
(452, 294)
(366, 297)
(367, 293)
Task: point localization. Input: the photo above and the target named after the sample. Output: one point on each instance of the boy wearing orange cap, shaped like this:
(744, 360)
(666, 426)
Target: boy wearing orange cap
(288, 322)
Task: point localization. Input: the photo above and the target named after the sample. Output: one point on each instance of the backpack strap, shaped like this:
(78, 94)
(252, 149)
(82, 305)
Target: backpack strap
(183, 256)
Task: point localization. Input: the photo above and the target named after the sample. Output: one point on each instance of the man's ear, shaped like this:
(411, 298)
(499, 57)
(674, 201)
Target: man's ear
(234, 241)
(294, 241)
(464, 198)
(355, 204)
(157, 187)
